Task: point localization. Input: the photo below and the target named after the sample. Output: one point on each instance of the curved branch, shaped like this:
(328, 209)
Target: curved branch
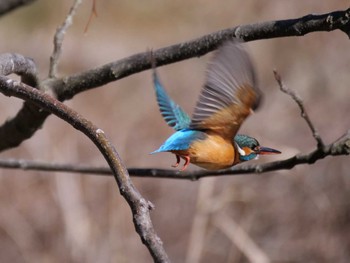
(12, 63)
(140, 207)
(29, 118)
(339, 147)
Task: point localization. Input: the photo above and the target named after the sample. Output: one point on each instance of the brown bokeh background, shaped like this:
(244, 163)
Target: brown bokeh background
(298, 215)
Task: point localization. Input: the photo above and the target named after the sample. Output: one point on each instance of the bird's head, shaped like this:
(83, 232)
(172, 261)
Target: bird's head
(249, 148)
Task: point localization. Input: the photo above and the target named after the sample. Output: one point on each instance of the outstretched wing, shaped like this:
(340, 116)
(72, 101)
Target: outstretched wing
(230, 92)
(172, 113)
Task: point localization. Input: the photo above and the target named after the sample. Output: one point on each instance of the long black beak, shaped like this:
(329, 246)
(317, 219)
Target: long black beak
(265, 150)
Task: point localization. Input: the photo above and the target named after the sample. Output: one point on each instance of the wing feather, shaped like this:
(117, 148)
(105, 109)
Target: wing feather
(230, 92)
(172, 113)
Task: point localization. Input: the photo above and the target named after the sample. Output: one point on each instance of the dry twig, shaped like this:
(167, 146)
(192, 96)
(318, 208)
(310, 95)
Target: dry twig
(58, 39)
(93, 14)
(300, 103)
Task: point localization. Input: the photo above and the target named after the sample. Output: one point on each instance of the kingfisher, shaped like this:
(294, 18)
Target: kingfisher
(230, 94)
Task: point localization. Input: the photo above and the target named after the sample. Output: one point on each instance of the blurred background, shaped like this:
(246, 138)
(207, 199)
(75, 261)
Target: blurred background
(298, 215)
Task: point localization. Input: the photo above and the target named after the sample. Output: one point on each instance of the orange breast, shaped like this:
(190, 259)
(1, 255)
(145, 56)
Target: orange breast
(213, 153)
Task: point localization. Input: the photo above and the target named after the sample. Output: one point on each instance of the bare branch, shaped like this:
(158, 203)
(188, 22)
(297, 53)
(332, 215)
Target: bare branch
(53, 167)
(10, 5)
(67, 87)
(58, 39)
(140, 207)
(300, 103)
(339, 147)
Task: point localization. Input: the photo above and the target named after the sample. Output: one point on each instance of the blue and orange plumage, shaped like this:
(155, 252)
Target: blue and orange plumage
(230, 94)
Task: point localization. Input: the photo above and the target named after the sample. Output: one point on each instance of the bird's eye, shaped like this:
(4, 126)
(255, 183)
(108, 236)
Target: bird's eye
(256, 148)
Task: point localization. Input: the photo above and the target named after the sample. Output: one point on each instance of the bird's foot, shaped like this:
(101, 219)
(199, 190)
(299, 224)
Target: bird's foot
(187, 162)
(177, 162)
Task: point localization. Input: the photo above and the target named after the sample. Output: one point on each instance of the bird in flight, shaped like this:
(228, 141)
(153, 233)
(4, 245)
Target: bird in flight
(209, 139)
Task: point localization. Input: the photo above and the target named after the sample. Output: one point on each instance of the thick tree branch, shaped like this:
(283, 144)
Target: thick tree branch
(10, 5)
(67, 87)
(339, 147)
(139, 206)
(29, 118)
(20, 65)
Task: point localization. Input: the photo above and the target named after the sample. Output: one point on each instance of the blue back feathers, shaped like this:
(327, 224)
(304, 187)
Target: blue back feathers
(181, 140)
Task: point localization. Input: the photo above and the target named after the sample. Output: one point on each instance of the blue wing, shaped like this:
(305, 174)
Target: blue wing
(181, 140)
(172, 113)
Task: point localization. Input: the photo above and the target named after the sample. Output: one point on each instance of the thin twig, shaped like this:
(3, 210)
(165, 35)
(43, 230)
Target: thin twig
(53, 167)
(58, 39)
(93, 13)
(338, 147)
(140, 207)
(300, 103)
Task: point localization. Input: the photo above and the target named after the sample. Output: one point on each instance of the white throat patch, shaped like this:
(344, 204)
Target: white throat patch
(240, 150)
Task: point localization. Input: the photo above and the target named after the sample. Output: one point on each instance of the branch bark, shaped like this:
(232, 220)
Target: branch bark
(67, 87)
(140, 207)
